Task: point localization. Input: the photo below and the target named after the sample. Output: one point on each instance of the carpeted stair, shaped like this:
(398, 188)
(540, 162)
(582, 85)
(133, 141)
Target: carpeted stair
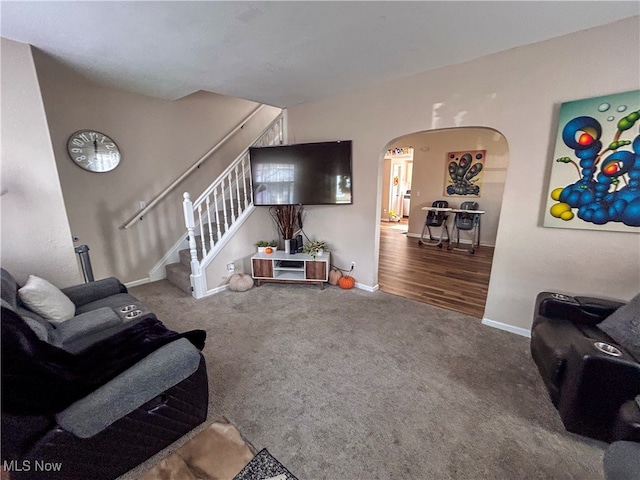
(179, 273)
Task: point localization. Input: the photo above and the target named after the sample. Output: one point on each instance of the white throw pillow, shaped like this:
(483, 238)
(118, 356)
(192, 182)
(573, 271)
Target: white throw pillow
(46, 300)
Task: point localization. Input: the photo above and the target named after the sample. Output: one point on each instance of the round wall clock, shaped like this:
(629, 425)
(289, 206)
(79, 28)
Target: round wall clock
(93, 151)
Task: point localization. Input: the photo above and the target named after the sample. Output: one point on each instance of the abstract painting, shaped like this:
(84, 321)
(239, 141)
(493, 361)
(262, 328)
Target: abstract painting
(465, 170)
(595, 172)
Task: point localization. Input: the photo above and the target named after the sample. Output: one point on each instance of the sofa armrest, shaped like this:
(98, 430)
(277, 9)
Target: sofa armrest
(147, 379)
(92, 291)
(87, 323)
(586, 310)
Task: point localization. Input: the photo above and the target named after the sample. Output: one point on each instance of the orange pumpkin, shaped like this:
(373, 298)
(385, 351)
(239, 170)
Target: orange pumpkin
(346, 282)
(268, 250)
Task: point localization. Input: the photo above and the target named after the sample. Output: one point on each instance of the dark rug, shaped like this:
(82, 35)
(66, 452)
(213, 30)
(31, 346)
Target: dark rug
(264, 467)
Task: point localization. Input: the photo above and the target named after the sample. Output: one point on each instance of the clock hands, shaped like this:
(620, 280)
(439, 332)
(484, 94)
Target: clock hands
(95, 146)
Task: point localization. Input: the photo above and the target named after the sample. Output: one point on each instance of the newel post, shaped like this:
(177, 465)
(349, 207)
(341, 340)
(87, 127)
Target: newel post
(197, 278)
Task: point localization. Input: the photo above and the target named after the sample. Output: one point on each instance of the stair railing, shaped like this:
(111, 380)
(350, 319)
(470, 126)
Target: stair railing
(223, 206)
(158, 198)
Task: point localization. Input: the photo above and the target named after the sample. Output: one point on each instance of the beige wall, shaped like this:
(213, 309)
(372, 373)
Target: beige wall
(36, 238)
(159, 140)
(259, 226)
(430, 171)
(518, 93)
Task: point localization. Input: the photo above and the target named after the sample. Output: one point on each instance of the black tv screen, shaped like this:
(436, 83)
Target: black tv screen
(302, 174)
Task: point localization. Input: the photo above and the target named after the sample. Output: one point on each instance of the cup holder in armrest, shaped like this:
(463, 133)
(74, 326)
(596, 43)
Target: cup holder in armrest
(133, 314)
(608, 349)
(561, 296)
(128, 308)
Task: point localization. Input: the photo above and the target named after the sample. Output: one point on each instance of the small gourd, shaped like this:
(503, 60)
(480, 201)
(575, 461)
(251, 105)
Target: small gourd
(346, 282)
(334, 276)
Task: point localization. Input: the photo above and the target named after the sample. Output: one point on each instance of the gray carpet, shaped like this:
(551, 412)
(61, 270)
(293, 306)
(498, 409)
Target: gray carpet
(346, 384)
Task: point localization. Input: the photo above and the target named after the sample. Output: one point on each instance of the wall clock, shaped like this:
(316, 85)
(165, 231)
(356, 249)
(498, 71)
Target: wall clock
(93, 151)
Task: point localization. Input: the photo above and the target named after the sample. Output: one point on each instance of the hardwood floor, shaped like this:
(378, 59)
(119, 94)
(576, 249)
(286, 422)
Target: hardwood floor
(447, 278)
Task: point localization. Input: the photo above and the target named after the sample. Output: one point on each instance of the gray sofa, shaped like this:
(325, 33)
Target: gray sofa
(62, 406)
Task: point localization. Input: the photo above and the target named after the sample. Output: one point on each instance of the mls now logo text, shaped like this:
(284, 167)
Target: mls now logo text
(31, 466)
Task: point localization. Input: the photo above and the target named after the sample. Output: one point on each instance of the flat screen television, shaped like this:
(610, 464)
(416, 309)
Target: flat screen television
(302, 174)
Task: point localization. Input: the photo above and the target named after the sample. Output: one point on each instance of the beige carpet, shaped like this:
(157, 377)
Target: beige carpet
(217, 453)
(350, 385)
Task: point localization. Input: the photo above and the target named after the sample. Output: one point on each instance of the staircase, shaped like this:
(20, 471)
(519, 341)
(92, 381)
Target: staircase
(179, 273)
(212, 219)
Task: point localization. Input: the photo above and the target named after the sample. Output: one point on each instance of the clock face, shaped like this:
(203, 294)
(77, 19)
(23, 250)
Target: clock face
(93, 151)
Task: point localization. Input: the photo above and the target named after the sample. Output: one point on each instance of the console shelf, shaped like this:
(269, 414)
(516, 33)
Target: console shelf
(284, 267)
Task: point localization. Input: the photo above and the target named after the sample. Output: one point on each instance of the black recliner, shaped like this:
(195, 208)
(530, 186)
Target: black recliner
(586, 350)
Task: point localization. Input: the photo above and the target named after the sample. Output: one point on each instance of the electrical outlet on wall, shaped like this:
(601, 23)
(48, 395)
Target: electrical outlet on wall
(353, 265)
(231, 267)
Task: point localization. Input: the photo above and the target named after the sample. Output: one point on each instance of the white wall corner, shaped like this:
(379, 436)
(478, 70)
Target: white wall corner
(509, 328)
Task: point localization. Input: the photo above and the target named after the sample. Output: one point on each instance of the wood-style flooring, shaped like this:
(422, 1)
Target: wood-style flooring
(446, 278)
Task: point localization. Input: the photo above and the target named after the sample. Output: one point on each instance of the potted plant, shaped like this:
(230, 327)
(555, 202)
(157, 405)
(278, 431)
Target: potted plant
(315, 248)
(264, 244)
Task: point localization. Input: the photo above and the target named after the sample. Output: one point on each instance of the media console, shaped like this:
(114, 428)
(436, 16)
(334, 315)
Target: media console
(290, 268)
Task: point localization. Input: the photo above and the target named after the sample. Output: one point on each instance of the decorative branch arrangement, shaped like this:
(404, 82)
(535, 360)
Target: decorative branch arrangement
(287, 219)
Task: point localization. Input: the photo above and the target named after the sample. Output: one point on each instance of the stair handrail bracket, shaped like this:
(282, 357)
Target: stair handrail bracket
(219, 211)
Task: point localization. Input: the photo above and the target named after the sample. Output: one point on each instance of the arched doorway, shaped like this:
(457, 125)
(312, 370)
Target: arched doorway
(452, 279)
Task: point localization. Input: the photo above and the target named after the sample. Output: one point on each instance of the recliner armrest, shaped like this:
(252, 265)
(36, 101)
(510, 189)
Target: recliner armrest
(147, 379)
(92, 291)
(587, 310)
(596, 385)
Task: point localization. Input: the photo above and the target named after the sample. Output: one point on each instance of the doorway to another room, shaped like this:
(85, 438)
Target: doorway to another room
(422, 166)
(398, 170)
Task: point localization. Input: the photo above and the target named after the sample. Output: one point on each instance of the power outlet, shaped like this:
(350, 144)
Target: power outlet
(231, 267)
(353, 265)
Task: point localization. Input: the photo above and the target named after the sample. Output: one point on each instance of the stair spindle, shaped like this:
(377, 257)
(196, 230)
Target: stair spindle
(208, 202)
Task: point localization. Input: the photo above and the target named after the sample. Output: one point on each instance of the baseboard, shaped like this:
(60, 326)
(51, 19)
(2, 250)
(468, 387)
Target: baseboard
(509, 328)
(368, 288)
(135, 283)
(213, 291)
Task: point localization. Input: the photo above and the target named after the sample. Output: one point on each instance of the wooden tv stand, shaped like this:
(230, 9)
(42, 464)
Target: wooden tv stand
(290, 268)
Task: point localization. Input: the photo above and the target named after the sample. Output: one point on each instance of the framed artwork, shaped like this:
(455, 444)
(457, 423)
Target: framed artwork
(595, 174)
(465, 170)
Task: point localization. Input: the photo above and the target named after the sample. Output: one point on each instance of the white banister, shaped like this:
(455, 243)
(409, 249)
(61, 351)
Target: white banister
(141, 213)
(227, 219)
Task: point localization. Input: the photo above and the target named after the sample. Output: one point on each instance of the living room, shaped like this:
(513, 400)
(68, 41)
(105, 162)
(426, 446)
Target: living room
(517, 92)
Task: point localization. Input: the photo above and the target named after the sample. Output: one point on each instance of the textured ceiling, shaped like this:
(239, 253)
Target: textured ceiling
(284, 53)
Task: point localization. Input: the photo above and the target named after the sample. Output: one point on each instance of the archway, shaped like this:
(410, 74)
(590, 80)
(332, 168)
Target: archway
(433, 151)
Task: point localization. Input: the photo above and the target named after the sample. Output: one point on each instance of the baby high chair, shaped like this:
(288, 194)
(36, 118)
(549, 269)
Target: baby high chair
(468, 221)
(436, 218)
